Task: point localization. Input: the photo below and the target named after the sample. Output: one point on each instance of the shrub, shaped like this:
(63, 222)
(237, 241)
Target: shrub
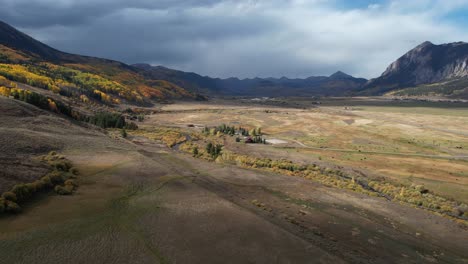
(46, 181)
(38, 185)
(9, 196)
(421, 189)
(22, 191)
(2, 205)
(61, 165)
(31, 187)
(131, 126)
(71, 182)
(55, 177)
(12, 207)
(74, 171)
(63, 190)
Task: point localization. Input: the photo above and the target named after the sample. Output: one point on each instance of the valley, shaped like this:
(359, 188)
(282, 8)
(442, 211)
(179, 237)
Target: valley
(353, 137)
(107, 162)
(146, 199)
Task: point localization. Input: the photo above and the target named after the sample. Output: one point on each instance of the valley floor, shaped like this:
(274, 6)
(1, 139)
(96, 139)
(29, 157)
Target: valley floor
(142, 202)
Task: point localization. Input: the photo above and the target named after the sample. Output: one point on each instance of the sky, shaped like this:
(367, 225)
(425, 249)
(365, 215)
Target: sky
(243, 38)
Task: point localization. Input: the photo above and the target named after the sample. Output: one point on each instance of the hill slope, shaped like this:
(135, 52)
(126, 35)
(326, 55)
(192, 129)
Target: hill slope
(425, 64)
(26, 60)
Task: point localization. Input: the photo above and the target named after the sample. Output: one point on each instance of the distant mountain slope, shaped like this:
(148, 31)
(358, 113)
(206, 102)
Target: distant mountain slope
(454, 88)
(425, 64)
(10, 37)
(189, 80)
(26, 60)
(337, 84)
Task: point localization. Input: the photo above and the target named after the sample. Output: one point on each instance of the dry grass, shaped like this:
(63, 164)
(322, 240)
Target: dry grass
(386, 143)
(382, 141)
(170, 137)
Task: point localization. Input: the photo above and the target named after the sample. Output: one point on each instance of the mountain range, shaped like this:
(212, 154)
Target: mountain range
(338, 83)
(427, 69)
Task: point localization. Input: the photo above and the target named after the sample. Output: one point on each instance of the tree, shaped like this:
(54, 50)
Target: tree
(209, 147)
(195, 151)
(253, 132)
(259, 131)
(120, 122)
(123, 132)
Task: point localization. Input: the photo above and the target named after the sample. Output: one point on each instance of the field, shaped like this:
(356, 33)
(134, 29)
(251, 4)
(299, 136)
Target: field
(144, 199)
(409, 144)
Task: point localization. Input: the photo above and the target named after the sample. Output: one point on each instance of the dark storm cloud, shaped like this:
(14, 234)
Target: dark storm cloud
(41, 13)
(168, 36)
(244, 38)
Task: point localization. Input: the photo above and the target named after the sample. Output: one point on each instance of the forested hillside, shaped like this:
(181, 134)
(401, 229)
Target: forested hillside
(88, 79)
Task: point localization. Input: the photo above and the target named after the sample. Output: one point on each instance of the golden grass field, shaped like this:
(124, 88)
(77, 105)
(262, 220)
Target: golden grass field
(143, 199)
(417, 145)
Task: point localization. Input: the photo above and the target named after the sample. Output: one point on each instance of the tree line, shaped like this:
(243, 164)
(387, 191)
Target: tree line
(100, 119)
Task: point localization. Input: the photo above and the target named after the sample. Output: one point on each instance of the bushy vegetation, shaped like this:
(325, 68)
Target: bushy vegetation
(170, 137)
(231, 131)
(123, 133)
(4, 82)
(38, 100)
(419, 196)
(62, 172)
(416, 195)
(224, 129)
(108, 120)
(64, 190)
(195, 151)
(214, 150)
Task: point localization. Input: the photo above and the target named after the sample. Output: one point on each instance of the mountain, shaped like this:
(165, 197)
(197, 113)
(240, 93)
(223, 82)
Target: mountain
(24, 59)
(82, 78)
(189, 80)
(425, 64)
(338, 84)
(340, 75)
(10, 37)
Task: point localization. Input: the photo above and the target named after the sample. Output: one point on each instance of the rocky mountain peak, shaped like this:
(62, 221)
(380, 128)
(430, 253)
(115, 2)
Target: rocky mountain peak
(426, 63)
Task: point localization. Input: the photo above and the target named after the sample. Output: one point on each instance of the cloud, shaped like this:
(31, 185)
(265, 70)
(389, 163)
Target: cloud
(244, 38)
